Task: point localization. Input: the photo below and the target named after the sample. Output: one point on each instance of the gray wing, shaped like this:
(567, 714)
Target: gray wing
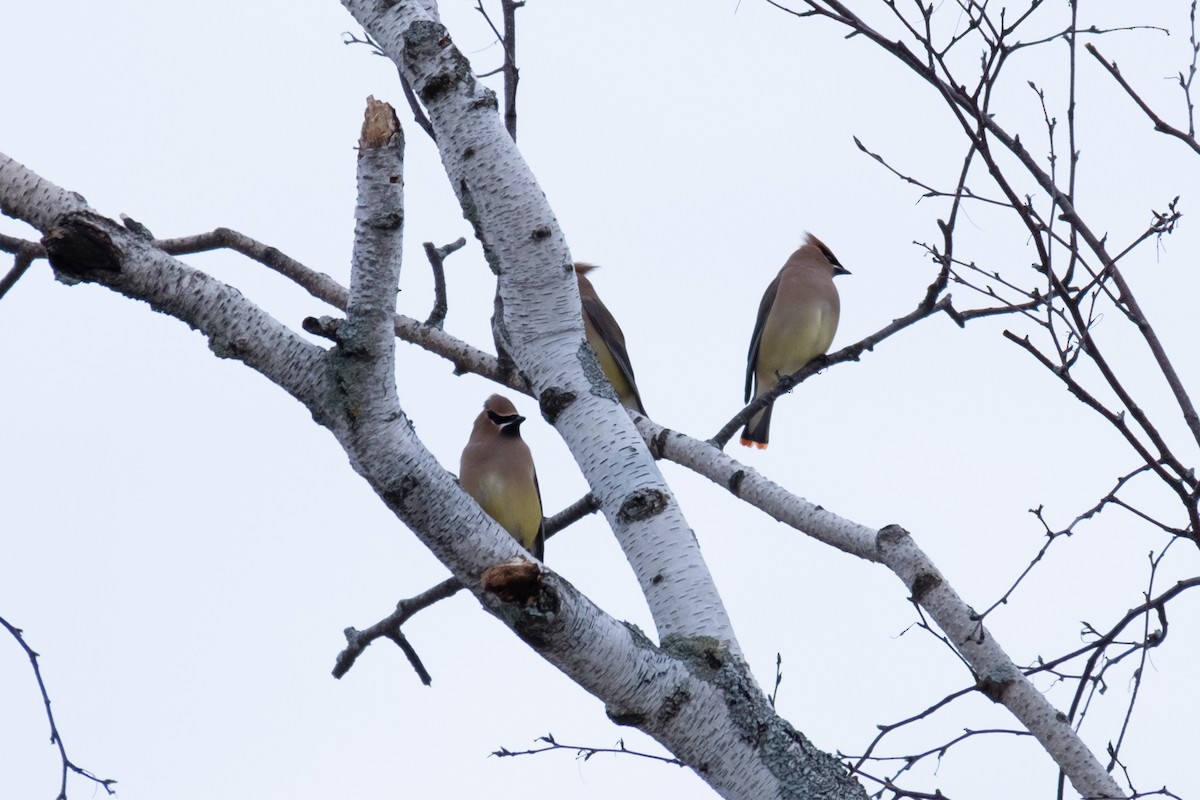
(764, 308)
(610, 332)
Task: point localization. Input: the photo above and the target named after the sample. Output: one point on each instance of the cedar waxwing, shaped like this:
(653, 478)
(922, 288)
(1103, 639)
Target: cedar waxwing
(797, 318)
(497, 470)
(606, 338)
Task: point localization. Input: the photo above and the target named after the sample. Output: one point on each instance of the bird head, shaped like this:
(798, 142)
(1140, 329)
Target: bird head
(503, 414)
(812, 241)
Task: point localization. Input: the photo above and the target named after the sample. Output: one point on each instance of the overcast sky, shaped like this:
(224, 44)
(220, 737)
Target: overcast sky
(184, 546)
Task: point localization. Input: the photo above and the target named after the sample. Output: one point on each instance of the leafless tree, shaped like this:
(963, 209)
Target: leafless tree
(691, 689)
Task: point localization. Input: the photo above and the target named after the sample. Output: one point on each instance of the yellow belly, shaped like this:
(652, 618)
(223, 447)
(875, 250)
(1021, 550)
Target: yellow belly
(791, 341)
(513, 504)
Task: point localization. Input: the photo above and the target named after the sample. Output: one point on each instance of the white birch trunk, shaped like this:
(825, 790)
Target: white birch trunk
(694, 694)
(541, 324)
(996, 676)
(696, 698)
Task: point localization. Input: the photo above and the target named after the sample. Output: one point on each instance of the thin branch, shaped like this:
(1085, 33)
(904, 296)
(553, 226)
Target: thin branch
(68, 766)
(508, 40)
(464, 357)
(884, 730)
(1160, 125)
(414, 105)
(960, 192)
(1157, 604)
(14, 245)
(512, 75)
(946, 257)
(437, 257)
(1096, 648)
(1186, 83)
(27, 253)
(582, 752)
(774, 695)
(1050, 539)
(389, 627)
(1155, 561)
(1115, 419)
(849, 353)
(977, 124)
(1053, 535)
(571, 514)
(940, 750)
(899, 793)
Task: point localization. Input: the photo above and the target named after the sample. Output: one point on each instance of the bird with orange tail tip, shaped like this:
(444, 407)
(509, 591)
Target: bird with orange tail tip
(497, 470)
(797, 319)
(606, 338)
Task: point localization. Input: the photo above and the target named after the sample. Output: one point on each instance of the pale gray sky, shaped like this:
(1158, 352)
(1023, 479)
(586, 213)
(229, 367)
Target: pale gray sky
(184, 546)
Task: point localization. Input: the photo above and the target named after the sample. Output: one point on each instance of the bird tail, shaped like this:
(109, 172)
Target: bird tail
(755, 434)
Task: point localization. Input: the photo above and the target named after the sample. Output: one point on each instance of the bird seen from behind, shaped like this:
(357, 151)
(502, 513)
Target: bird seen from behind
(606, 338)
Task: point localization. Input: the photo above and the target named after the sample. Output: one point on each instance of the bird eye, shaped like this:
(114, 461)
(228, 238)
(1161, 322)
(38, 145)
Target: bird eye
(829, 255)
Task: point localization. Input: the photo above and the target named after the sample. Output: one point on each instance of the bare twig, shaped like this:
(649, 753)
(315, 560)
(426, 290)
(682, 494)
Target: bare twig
(849, 353)
(1091, 675)
(437, 258)
(900, 793)
(1053, 535)
(26, 254)
(14, 245)
(414, 105)
(884, 730)
(68, 766)
(582, 752)
(389, 627)
(1185, 82)
(911, 760)
(981, 127)
(1155, 561)
(778, 679)
(1179, 483)
(1187, 137)
(464, 357)
(508, 39)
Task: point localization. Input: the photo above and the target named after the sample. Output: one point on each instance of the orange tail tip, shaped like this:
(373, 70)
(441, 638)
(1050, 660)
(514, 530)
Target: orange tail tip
(747, 443)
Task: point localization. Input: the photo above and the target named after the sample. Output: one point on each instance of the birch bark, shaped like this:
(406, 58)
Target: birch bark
(540, 323)
(696, 697)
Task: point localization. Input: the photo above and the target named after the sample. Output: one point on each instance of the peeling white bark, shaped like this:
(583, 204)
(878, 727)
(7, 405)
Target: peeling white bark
(541, 325)
(694, 695)
(697, 698)
(995, 673)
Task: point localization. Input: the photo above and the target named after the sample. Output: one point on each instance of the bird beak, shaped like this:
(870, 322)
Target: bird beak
(840, 270)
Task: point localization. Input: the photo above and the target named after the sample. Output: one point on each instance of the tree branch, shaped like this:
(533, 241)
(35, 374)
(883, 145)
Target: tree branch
(975, 123)
(26, 253)
(1160, 125)
(850, 352)
(437, 257)
(463, 356)
(68, 766)
(997, 676)
(389, 627)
